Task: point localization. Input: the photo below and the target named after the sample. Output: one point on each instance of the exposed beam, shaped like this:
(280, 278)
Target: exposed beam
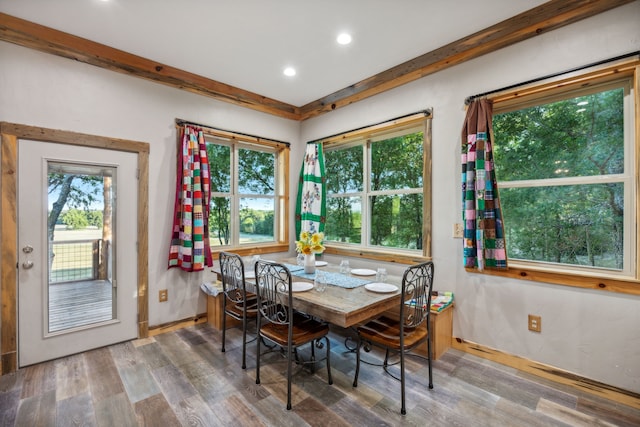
(49, 40)
(544, 18)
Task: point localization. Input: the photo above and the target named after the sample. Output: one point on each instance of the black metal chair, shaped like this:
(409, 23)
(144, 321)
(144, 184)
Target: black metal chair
(279, 323)
(238, 303)
(411, 328)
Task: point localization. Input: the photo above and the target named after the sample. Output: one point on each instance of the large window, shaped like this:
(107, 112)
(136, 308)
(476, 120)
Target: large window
(375, 188)
(247, 194)
(566, 168)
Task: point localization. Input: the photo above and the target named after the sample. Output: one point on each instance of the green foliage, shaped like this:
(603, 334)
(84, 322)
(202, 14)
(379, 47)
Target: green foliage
(75, 219)
(396, 165)
(257, 172)
(256, 176)
(579, 224)
(73, 191)
(95, 218)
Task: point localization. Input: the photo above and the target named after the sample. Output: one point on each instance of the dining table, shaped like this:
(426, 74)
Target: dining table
(348, 299)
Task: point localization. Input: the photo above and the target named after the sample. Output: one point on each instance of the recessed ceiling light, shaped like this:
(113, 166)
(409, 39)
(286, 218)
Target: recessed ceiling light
(344, 38)
(290, 71)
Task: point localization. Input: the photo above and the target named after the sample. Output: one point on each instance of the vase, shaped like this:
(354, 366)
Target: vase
(309, 264)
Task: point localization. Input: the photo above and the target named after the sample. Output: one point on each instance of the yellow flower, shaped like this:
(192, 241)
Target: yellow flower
(310, 243)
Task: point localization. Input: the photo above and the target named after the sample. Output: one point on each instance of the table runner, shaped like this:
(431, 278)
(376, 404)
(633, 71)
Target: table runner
(336, 279)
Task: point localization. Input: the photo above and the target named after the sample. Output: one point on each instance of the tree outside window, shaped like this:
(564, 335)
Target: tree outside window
(243, 188)
(563, 178)
(375, 191)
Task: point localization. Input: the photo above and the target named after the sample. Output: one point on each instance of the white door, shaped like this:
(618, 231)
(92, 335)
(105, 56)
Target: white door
(77, 280)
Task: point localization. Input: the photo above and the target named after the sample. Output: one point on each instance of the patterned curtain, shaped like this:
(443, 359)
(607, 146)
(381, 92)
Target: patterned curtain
(190, 234)
(483, 243)
(311, 204)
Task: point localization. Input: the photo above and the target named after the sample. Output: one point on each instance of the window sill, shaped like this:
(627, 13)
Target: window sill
(600, 283)
(251, 250)
(377, 255)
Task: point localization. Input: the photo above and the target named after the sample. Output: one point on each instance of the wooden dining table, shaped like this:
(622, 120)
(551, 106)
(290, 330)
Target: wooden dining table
(344, 307)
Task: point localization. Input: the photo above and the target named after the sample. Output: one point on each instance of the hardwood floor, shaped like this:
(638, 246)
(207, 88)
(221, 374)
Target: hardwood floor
(181, 378)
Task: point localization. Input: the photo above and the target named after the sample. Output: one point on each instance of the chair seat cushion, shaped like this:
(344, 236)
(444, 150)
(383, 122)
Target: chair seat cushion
(235, 310)
(386, 332)
(305, 330)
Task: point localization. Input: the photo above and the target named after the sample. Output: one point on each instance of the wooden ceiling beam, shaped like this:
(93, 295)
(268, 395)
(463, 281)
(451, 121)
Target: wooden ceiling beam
(542, 19)
(49, 40)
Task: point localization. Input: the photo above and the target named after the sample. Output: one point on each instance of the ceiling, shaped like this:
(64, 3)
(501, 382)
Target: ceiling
(248, 43)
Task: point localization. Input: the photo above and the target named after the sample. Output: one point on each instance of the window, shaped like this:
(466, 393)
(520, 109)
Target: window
(566, 169)
(247, 193)
(376, 188)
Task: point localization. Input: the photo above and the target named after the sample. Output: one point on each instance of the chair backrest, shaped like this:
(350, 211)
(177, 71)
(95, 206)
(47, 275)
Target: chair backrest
(232, 271)
(275, 299)
(417, 284)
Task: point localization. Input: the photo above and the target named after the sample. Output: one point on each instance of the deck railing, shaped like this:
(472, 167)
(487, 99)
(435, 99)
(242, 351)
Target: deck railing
(75, 260)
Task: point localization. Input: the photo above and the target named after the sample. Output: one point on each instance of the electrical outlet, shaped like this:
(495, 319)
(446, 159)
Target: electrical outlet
(535, 323)
(163, 295)
(458, 231)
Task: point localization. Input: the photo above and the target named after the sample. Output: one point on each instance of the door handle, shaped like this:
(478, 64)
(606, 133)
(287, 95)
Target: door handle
(27, 265)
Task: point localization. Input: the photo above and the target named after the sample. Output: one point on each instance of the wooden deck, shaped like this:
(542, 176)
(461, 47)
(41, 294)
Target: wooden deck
(78, 304)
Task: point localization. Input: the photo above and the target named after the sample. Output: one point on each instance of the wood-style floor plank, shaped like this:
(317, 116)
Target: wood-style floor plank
(155, 411)
(136, 376)
(181, 378)
(71, 377)
(76, 411)
(104, 379)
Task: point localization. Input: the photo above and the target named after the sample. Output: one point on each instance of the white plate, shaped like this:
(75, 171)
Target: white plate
(321, 263)
(301, 286)
(250, 274)
(363, 272)
(380, 287)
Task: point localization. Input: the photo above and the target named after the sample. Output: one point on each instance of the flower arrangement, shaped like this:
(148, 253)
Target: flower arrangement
(310, 243)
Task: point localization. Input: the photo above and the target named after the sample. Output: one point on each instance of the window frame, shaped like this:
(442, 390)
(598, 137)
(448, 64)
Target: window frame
(281, 151)
(520, 97)
(363, 137)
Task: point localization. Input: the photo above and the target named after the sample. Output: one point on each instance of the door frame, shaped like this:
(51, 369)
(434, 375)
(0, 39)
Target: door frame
(10, 134)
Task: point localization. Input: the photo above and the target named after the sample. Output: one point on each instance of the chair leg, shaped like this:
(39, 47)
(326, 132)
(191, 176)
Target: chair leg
(355, 378)
(430, 354)
(258, 357)
(289, 368)
(224, 325)
(403, 409)
(244, 342)
(328, 360)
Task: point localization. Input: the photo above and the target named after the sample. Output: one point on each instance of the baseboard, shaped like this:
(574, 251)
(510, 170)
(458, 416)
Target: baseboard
(178, 324)
(549, 372)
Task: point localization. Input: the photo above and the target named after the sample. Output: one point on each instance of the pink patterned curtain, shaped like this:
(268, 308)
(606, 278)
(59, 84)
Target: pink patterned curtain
(483, 243)
(190, 234)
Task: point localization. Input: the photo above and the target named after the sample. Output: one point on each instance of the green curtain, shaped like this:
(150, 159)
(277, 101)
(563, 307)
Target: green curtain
(311, 203)
(483, 242)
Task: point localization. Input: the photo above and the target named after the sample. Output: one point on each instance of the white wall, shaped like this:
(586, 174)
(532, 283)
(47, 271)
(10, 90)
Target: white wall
(48, 91)
(594, 334)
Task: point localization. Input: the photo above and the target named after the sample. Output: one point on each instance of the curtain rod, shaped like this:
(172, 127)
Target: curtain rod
(468, 99)
(181, 122)
(427, 113)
